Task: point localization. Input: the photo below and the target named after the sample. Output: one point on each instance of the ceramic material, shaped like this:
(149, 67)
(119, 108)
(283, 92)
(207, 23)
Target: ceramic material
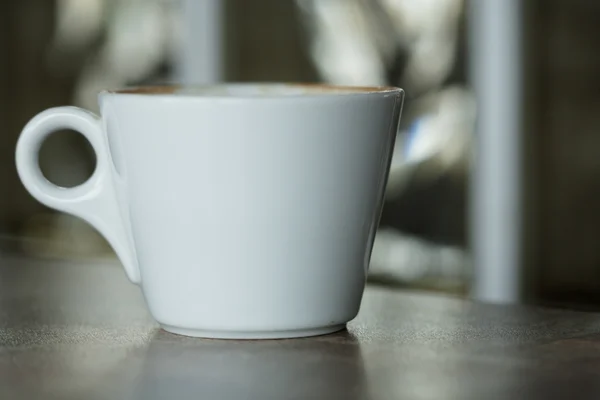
(242, 211)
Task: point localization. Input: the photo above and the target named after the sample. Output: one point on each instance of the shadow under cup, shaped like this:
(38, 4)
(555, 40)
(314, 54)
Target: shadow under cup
(243, 211)
(321, 369)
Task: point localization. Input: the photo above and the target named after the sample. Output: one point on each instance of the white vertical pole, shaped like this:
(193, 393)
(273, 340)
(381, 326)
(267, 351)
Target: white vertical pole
(200, 59)
(496, 201)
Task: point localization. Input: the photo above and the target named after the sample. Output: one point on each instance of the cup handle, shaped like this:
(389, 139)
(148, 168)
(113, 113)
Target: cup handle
(93, 201)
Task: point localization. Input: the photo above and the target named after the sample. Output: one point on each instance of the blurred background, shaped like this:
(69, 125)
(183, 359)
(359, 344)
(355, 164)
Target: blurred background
(494, 191)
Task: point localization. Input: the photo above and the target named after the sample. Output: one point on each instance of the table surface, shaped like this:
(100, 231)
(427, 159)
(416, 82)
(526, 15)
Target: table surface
(81, 331)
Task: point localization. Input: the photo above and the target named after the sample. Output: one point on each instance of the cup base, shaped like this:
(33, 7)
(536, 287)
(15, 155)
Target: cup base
(251, 335)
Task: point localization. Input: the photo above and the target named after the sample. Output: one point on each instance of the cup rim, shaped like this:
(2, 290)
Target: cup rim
(277, 90)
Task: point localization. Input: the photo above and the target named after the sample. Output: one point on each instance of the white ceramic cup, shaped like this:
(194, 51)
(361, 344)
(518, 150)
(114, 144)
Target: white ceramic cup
(242, 211)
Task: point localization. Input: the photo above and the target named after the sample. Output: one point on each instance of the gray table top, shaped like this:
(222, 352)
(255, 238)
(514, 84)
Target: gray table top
(81, 331)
